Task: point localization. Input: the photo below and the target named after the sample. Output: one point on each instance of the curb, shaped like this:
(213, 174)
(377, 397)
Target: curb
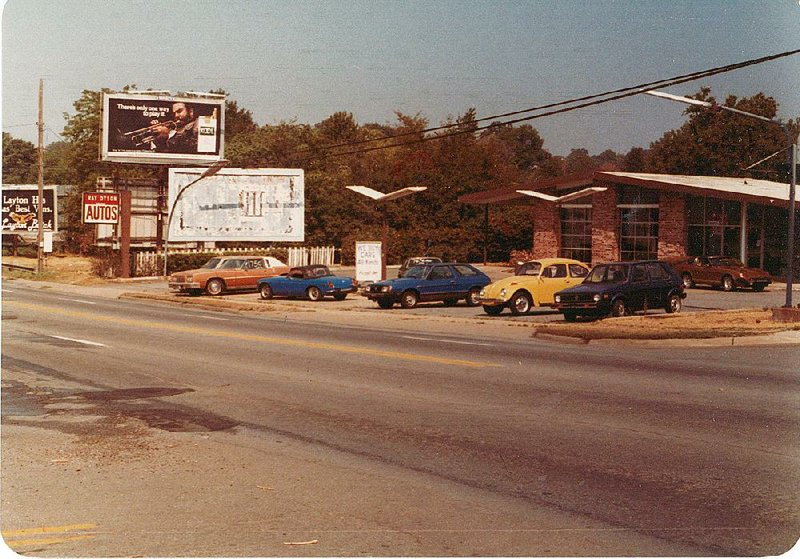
(788, 337)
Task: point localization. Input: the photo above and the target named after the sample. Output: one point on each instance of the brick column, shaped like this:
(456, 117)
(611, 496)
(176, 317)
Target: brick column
(605, 225)
(672, 224)
(546, 229)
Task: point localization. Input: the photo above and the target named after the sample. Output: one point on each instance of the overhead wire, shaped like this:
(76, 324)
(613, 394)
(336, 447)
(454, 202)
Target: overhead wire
(594, 99)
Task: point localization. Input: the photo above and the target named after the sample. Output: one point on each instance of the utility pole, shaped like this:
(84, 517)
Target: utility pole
(39, 211)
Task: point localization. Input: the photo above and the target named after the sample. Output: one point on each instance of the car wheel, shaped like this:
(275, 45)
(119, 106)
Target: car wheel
(385, 303)
(759, 287)
(340, 296)
(265, 290)
(450, 302)
(727, 283)
(215, 287)
(313, 293)
(618, 308)
(520, 303)
(687, 280)
(474, 297)
(492, 311)
(570, 316)
(195, 292)
(409, 299)
(674, 304)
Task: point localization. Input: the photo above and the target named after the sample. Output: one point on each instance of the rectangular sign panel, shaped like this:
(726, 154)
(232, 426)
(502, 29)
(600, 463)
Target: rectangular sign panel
(20, 207)
(237, 205)
(100, 207)
(161, 129)
(368, 261)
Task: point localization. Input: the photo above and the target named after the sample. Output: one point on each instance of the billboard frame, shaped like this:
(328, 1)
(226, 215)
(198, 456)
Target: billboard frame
(109, 151)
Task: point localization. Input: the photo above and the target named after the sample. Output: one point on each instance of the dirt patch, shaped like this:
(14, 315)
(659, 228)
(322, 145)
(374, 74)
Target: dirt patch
(699, 325)
(74, 270)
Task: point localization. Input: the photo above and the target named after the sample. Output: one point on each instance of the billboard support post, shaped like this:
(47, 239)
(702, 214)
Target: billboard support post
(40, 204)
(125, 233)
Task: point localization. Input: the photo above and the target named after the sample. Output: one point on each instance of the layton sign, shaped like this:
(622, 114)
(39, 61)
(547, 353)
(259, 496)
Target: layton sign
(100, 207)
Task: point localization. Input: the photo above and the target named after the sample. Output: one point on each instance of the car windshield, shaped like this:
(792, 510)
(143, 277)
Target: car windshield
(529, 269)
(608, 273)
(417, 272)
(211, 264)
(724, 261)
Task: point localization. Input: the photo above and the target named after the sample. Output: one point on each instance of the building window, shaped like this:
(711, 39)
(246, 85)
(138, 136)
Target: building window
(638, 236)
(576, 232)
(715, 227)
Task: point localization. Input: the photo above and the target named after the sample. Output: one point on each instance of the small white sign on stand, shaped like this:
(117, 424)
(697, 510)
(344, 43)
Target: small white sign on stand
(368, 261)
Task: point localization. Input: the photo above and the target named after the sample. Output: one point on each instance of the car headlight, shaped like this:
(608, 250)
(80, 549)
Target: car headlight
(741, 275)
(386, 288)
(596, 298)
(189, 278)
(502, 293)
(558, 298)
(482, 293)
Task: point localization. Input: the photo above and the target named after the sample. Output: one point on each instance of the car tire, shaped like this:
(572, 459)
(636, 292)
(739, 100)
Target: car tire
(492, 311)
(473, 297)
(409, 299)
(450, 302)
(215, 287)
(687, 280)
(265, 290)
(570, 316)
(619, 308)
(385, 303)
(727, 283)
(195, 292)
(520, 303)
(674, 304)
(758, 287)
(340, 296)
(314, 293)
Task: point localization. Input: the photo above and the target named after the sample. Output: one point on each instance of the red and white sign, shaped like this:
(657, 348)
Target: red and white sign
(100, 207)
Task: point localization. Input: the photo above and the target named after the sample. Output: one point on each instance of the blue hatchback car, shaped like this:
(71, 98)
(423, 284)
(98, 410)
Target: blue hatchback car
(446, 282)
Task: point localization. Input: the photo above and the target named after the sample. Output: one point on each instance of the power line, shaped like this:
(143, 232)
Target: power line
(604, 97)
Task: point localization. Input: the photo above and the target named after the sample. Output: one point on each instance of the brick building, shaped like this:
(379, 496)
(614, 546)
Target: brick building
(606, 216)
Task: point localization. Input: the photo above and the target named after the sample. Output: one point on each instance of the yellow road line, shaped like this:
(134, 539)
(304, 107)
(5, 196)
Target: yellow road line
(250, 337)
(46, 541)
(46, 530)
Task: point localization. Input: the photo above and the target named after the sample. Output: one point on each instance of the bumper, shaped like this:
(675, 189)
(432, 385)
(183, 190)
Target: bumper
(492, 302)
(382, 296)
(183, 285)
(339, 290)
(743, 282)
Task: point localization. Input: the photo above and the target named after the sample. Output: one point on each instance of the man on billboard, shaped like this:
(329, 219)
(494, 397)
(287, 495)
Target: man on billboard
(180, 136)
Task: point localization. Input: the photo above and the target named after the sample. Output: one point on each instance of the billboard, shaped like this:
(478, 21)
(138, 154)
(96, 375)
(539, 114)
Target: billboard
(20, 207)
(161, 129)
(237, 205)
(100, 207)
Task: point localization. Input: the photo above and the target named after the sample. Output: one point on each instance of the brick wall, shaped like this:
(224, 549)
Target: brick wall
(672, 224)
(605, 225)
(546, 229)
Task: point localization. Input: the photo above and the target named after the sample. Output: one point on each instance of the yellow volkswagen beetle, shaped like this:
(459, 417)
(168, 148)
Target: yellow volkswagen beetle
(533, 284)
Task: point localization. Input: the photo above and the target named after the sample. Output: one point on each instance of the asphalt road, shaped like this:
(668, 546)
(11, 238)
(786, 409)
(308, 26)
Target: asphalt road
(131, 428)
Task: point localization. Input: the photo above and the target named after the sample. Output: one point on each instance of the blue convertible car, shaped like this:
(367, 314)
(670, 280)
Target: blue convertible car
(311, 282)
(430, 282)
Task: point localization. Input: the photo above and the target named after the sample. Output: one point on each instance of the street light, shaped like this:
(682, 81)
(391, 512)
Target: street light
(380, 197)
(212, 170)
(792, 141)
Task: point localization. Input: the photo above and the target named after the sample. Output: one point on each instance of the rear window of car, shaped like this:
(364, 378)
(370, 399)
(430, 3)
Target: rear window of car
(465, 270)
(578, 271)
(657, 271)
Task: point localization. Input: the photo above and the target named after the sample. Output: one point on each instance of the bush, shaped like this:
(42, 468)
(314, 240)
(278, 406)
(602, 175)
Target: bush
(178, 262)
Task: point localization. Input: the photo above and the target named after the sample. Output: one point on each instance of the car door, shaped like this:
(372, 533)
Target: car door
(661, 285)
(639, 288)
(553, 278)
(253, 270)
(439, 283)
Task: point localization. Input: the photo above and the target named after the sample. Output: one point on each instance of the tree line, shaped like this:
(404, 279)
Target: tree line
(451, 162)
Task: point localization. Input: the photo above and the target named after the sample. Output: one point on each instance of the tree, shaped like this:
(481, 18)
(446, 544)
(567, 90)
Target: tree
(20, 161)
(721, 143)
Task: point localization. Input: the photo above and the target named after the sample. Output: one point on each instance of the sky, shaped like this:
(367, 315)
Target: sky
(302, 60)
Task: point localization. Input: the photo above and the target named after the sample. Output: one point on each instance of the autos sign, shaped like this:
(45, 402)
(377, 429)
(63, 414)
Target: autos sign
(20, 209)
(161, 129)
(237, 205)
(100, 207)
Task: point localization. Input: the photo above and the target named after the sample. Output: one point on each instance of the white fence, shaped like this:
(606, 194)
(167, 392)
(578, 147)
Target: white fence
(151, 263)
